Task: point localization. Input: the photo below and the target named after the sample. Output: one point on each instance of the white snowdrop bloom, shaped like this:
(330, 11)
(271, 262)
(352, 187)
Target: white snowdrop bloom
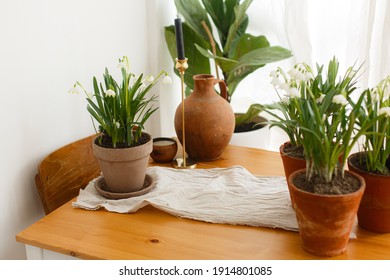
(293, 72)
(384, 111)
(321, 98)
(323, 117)
(73, 90)
(286, 100)
(294, 92)
(276, 82)
(150, 79)
(118, 125)
(167, 80)
(122, 65)
(308, 76)
(340, 99)
(110, 93)
(274, 74)
(285, 86)
(375, 96)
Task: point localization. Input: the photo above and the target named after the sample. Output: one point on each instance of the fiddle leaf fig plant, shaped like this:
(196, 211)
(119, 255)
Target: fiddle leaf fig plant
(235, 53)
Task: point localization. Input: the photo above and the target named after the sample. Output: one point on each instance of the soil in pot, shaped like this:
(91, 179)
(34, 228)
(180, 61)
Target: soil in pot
(325, 220)
(338, 185)
(374, 209)
(254, 124)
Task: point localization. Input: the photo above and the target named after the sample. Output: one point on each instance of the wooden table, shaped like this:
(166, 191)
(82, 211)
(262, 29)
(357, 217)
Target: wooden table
(152, 234)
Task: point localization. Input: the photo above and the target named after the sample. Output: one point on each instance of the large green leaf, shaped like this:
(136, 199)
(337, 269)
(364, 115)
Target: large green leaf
(194, 14)
(240, 16)
(253, 60)
(197, 62)
(229, 16)
(225, 63)
(248, 43)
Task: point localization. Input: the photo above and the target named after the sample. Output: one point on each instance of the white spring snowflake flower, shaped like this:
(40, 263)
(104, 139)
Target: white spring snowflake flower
(285, 86)
(375, 97)
(122, 65)
(384, 111)
(74, 90)
(294, 92)
(276, 82)
(110, 93)
(274, 74)
(117, 125)
(167, 80)
(321, 98)
(150, 79)
(340, 99)
(286, 100)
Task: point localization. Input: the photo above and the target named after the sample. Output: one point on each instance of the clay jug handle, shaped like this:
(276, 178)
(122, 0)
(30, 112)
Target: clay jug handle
(222, 87)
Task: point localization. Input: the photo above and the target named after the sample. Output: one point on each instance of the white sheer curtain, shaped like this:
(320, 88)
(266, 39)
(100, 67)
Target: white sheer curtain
(355, 31)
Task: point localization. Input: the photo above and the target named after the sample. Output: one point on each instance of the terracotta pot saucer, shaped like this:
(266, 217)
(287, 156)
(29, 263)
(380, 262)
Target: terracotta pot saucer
(101, 187)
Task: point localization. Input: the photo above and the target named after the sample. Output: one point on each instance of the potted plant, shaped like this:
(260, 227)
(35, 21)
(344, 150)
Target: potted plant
(121, 110)
(373, 163)
(326, 197)
(235, 52)
(286, 113)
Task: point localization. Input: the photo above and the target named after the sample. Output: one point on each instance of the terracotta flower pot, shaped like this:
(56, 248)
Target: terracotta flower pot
(374, 209)
(325, 221)
(124, 169)
(290, 164)
(209, 120)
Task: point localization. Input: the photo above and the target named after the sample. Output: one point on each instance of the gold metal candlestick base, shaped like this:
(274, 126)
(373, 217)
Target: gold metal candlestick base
(182, 163)
(179, 163)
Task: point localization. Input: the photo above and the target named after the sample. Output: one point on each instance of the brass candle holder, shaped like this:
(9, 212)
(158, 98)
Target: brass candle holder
(182, 163)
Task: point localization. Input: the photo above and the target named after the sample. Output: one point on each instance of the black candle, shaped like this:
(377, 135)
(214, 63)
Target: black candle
(179, 39)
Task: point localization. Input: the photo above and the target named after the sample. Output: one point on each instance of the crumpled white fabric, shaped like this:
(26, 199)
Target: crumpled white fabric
(218, 195)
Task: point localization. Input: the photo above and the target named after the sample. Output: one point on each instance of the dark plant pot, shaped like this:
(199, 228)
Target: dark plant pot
(325, 221)
(124, 169)
(374, 210)
(252, 135)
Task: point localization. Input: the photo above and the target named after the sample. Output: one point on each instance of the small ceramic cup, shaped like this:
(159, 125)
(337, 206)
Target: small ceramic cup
(164, 149)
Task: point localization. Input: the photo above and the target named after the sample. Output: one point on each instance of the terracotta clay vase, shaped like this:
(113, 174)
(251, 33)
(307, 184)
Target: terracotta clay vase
(124, 169)
(374, 209)
(325, 221)
(209, 120)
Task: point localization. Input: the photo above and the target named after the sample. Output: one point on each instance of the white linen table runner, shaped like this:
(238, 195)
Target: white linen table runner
(217, 195)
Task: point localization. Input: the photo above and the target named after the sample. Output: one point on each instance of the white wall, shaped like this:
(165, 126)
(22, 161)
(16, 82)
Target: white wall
(45, 47)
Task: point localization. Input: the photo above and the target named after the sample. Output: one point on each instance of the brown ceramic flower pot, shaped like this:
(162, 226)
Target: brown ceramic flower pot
(290, 164)
(124, 169)
(325, 221)
(374, 209)
(209, 120)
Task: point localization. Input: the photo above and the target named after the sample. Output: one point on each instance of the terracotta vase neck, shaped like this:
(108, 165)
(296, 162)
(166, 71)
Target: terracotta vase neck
(204, 85)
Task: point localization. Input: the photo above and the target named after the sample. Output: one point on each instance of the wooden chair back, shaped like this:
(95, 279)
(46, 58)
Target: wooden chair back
(64, 172)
